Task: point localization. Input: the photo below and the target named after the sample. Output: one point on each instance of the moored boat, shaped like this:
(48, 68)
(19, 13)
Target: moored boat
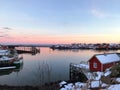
(9, 58)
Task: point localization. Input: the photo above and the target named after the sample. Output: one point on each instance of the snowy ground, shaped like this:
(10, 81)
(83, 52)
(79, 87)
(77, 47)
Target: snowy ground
(95, 83)
(83, 86)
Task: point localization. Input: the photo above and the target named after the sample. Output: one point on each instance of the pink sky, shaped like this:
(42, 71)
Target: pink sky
(39, 39)
(63, 21)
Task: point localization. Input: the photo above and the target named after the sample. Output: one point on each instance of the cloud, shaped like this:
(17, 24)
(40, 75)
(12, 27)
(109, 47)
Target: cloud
(6, 36)
(1, 32)
(98, 13)
(7, 28)
(101, 14)
(1, 36)
(5, 32)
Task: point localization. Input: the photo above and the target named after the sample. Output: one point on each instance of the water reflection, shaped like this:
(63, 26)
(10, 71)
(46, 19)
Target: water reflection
(18, 68)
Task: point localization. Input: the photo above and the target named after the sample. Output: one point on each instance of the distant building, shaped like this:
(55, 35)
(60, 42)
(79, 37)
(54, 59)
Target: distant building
(100, 62)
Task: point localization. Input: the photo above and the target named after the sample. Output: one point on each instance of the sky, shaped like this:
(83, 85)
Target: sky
(59, 21)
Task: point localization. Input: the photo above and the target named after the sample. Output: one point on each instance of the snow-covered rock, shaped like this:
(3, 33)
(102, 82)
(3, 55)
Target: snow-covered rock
(114, 87)
(99, 74)
(107, 73)
(62, 83)
(95, 84)
(118, 79)
(71, 86)
(79, 84)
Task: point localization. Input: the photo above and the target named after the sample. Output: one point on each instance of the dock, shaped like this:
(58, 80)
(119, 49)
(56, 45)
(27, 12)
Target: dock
(78, 72)
(30, 50)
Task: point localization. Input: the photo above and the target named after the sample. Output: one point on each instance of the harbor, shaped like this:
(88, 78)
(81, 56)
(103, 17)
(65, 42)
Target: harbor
(78, 71)
(97, 46)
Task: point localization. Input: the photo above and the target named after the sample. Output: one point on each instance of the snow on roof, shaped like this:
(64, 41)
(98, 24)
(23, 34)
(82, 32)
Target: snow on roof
(108, 58)
(85, 66)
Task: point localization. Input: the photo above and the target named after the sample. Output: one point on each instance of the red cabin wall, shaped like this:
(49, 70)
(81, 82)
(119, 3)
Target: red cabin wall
(100, 67)
(94, 60)
(108, 65)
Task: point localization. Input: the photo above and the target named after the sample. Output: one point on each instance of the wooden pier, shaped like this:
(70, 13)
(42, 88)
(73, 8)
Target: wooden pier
(31, 50)
(25, 48)
(77, 73)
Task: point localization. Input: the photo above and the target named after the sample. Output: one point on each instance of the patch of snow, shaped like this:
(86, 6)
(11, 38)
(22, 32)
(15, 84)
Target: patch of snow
(99, 74)
(104, 85)
(95, 84)
(71, 86)
(68, 87)
(118, 79)
(114, 87)
(79, 84)
(63, 89)
(107, 73)
(89, 75)
(62, 83)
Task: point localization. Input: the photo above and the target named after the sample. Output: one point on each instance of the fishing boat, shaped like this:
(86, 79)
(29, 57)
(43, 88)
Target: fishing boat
(9, 59)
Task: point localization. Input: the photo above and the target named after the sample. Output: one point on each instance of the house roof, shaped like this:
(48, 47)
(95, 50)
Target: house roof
(108, 57)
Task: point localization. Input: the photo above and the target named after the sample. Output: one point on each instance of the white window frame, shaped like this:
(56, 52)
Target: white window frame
(94, 65)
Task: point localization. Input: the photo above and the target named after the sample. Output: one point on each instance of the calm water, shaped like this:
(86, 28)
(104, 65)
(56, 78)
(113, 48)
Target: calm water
(36, 66)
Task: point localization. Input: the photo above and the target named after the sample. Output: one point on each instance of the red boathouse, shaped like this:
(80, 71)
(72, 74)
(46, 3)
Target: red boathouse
(100, 62)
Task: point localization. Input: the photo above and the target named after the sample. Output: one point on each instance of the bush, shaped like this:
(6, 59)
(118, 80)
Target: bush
(115, 71)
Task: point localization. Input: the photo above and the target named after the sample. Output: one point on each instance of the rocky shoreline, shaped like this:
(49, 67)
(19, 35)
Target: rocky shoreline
(52, 86)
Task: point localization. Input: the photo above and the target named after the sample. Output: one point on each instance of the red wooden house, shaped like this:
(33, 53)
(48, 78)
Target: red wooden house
(101, 62)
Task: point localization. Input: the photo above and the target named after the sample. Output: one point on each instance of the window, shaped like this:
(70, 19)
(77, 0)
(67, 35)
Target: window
(94, 65)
